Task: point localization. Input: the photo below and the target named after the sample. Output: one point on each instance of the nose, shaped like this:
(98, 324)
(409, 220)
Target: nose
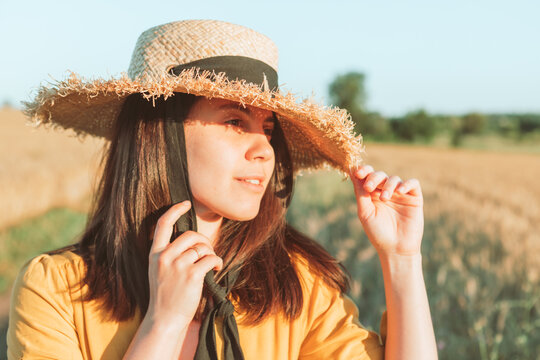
(260, 148)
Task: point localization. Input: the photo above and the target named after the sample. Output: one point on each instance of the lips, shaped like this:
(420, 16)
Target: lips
(255, 179)
(254, 182)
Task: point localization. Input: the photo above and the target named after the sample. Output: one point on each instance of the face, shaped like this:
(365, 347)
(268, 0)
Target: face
(230, 159)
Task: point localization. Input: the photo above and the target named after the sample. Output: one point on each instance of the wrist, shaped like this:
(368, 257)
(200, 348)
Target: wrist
(398, 269)
(397, 259)
(157, 339)
(165, 326)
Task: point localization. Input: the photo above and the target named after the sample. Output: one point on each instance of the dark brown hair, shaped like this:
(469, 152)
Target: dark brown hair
(133, 192)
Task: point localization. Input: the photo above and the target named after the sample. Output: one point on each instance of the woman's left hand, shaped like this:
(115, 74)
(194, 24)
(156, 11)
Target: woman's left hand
(394, 223)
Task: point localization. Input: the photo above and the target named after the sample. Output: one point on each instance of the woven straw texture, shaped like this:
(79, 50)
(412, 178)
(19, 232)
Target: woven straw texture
(317, 136)
(163, 46)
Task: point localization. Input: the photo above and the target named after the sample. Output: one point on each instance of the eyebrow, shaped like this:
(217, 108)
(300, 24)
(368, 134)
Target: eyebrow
(246, 111)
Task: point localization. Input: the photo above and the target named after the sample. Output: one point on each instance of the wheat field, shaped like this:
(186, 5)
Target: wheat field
(481, 238)
(496, 193)
(41, 169)
(480, 246)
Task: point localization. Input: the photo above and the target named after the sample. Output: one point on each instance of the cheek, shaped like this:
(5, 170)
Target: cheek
(209, 160)
(214, 160)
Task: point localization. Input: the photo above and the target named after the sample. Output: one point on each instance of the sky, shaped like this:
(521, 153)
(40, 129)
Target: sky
(447, 57)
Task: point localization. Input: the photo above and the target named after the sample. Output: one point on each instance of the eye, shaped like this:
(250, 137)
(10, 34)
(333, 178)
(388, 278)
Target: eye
(234, 122)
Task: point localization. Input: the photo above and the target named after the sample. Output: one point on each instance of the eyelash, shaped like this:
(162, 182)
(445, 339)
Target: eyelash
(267, 131)
(237, 120)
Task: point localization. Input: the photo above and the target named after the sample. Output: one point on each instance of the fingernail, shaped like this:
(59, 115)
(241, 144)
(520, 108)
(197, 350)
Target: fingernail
(369, 185)
(385, 195)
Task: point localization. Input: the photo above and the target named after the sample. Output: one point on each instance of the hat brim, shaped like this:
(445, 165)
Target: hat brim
(317, 136)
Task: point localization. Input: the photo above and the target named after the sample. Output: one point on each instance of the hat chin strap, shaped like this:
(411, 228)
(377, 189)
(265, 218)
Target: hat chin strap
(235, 68)
(177, 170)
(179, 189)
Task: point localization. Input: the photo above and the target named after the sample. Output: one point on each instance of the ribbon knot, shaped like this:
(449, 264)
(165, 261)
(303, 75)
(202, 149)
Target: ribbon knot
(225, 308)
(206, 349)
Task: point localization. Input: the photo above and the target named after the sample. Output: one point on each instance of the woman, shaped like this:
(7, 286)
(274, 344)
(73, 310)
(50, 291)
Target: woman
(200, 125)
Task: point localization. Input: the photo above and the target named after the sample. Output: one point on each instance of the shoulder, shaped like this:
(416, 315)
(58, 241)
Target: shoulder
(309, 276)
(42, 315)
(330, 317)
(318, 295)
(47, 284)
(59, 270)
(305, 274)
(66, 259)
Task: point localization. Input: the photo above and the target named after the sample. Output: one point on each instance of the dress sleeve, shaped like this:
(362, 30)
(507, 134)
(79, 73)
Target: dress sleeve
(41, 322)
(334, 331)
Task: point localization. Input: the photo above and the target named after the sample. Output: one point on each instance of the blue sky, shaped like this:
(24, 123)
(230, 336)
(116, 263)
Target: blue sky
(446, 57)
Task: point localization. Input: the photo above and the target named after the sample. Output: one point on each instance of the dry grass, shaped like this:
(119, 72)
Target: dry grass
(495, 193)
(480, 247)
(481, 238)
(41, 169)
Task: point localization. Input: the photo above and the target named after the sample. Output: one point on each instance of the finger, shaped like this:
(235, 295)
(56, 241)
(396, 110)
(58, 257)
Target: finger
(187, 239)
(193, 254)
(190, 256)
(192, 236)
(375, 180)
(363, 199)
(191, 245)
(198, 268)
(363, 171)
(411, 186)
(207, 263)
(200, 252)
(165, 223)
(389, 187)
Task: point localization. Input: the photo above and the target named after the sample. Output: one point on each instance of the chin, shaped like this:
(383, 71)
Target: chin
(242, 214)
(240, 210)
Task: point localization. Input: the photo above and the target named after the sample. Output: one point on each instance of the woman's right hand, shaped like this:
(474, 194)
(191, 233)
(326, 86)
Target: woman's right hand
(176, 275)
(177, 269)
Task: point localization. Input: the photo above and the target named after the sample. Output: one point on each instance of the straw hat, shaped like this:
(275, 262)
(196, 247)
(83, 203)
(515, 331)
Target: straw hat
(208, 58)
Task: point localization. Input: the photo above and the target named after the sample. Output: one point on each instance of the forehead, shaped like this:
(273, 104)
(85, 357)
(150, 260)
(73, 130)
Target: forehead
(221, 105)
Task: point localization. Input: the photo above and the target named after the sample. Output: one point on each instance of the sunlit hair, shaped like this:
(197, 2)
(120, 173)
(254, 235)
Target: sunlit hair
(133, 192)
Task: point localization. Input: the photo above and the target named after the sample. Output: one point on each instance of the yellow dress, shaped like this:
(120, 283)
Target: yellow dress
(47, 322)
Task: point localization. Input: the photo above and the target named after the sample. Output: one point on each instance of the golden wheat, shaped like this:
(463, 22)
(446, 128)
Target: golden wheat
(481, 239)
(480, 244)
(495, 193)
(41, 169)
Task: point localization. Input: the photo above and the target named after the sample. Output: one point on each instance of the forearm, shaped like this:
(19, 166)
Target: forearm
(409, 328)
(155, 341)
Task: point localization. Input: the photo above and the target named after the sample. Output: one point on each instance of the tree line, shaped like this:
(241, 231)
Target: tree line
(348, 91)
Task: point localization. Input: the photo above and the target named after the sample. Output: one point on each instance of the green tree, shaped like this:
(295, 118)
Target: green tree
(377, 126)
(470, 124)
(415, 125)
(347, 91)
(473, 123)
(506, 126)
(527, 123)
(456, 126)
(6, 104)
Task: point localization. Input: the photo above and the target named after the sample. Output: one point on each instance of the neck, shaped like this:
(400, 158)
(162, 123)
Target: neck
(208, 224)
